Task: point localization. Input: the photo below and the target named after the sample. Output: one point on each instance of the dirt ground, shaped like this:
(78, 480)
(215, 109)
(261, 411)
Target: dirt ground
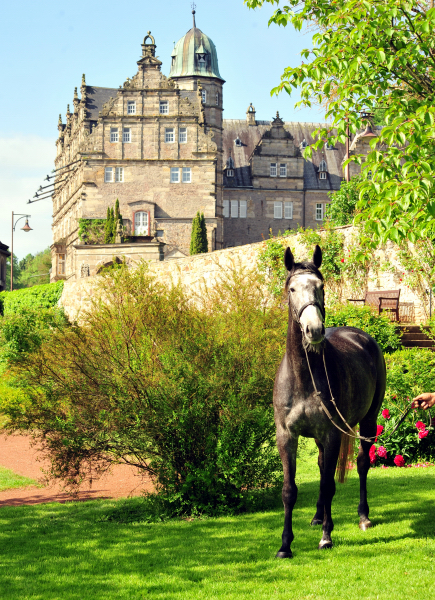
(17, 455)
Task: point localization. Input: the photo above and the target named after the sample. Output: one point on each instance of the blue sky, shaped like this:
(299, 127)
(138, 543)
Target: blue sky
(46, 46)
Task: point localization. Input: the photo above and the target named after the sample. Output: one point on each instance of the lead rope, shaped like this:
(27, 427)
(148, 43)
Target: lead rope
(350, 432)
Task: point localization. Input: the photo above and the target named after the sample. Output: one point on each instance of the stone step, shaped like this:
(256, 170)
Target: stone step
(414, 336)
(418, 344)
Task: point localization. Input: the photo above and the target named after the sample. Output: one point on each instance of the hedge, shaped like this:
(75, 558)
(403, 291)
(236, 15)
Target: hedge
(37, 296)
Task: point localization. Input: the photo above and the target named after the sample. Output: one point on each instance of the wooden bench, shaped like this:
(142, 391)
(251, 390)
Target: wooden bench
(382, 300)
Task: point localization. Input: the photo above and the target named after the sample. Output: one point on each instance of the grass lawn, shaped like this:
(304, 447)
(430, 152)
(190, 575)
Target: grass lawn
(72, 552)
(10, 480)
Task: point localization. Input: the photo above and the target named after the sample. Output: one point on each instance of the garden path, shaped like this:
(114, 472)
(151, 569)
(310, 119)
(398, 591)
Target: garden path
(17, 455)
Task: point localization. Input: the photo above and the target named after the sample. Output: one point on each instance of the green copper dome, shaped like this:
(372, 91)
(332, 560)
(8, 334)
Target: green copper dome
(195, 54)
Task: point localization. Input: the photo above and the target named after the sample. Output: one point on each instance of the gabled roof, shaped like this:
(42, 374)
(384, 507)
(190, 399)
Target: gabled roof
(250, 136)
(96, 97)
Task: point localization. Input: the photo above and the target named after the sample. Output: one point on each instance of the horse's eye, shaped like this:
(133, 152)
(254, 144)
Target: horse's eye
(292, 289)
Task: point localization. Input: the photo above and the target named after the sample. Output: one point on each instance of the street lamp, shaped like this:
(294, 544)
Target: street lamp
(25, 228)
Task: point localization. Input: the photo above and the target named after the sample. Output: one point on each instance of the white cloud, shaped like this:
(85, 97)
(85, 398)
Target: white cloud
(24, 163)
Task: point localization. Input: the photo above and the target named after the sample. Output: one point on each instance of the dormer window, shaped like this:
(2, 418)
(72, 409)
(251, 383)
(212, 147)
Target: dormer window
(230, 173)
(201, 55)
(322, 175)
(323, 169)
(201, 58)
(131, 107)
(303, 143)
(238, 141)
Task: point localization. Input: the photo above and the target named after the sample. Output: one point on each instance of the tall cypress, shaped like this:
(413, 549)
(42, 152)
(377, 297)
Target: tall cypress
(198, 238)
(108, 228)
(116, 218)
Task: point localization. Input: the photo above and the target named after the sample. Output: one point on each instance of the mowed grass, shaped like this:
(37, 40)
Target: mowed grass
(10, 480)
(72, 551)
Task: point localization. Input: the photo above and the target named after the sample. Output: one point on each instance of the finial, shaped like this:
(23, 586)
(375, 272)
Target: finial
(67, 109)
(277, 114)
(75, 93)
(60, 120)
(83, 79)
(193, 13)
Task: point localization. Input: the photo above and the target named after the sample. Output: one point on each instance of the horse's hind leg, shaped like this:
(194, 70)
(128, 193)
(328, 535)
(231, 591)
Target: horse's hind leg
(327, 485)
(318, 517)
(287, 446)
(367, 429)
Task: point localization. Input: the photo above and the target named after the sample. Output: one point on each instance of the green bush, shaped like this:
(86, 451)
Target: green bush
(39, 296)
(379, 327)
(410, 371)
(180, 389)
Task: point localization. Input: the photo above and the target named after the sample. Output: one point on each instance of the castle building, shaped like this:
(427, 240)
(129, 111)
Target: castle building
(161, 147)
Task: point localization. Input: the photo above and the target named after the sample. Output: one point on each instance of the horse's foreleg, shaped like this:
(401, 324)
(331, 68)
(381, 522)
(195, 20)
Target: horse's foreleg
(363, 464)
(318, 517)
(287, 446)
(327, 487)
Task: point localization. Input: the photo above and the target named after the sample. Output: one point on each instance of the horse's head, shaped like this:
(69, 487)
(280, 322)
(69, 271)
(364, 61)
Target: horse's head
(304, 287)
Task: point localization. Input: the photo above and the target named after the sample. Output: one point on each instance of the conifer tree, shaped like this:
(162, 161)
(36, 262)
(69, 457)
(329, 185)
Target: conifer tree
(117, 217)
(108, 228)
(198, 239)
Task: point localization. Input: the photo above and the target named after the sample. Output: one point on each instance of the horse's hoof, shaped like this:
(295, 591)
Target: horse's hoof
(325, 544)
(284, 554)
(365, 524)
(316, 521)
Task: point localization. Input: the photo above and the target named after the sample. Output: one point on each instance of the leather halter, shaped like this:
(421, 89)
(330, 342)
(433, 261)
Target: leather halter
(297, 314)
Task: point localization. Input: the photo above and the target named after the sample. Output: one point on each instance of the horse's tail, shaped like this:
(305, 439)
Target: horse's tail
(347, 450)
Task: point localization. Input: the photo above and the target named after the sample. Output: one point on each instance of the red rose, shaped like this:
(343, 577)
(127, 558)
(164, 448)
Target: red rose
(386, 413)
(420, 425)
(342, 260)
(394, 397)
(422, 433)
(372, 454)
(400, 280)
(399, 461)
(382, 452)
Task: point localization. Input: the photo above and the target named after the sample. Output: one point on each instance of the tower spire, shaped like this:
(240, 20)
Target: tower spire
(194, 13)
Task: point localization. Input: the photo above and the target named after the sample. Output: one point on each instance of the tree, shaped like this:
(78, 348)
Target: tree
(117, 219)
(341, 210)
(108, 230)
(198, 238)
(370, 56)
(35, 269)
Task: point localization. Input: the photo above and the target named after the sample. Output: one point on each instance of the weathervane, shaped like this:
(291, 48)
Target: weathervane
(193, 5)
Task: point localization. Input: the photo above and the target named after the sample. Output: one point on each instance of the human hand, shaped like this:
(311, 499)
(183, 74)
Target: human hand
(424, 401)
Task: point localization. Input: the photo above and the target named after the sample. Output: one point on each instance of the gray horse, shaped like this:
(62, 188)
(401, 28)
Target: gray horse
(327, 383)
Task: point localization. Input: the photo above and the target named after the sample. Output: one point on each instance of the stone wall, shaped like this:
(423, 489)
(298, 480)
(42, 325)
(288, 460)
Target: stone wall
(194, 271)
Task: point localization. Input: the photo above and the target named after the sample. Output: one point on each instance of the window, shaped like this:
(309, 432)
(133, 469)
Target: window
(288, 210)
(273, 169)
(164, 108)
(238, 141)
(175, 175)
(119, 174)
(141, 223)
(319, 212)
(217, 99)
(329, 146)
(169, 136)
(126, 135)
(230, 173)
(226, 208)
(187, 175)
(182, 135)
(131, 107)
(114, 134)
(283, 170)
(204, 96)
(277, 211)
(322, 175)
(303, 143)
(234, 209)
(61, 260)
(108, 174)
(243, 209)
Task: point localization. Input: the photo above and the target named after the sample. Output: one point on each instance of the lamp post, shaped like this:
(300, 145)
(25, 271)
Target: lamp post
(25, 228)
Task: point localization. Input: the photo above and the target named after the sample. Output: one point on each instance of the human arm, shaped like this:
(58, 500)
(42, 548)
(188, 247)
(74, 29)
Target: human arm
(424, 401)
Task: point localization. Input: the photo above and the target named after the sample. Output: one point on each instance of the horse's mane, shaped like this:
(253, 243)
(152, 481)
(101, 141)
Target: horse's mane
(304, 266)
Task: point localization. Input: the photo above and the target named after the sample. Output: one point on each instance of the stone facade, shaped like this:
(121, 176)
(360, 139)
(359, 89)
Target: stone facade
(161, 147)
(4, 255)
(195, 271)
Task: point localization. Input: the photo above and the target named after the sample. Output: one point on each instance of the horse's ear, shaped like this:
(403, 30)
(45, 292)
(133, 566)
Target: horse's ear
(317, 257)
(289, 261)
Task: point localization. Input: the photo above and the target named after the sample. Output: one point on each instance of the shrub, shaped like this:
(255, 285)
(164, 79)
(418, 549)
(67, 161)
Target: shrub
(410, 371)
(198, 236)
(181, 390)
(39, 296)
(379, 327)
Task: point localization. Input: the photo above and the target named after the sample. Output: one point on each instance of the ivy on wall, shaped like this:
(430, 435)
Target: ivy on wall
(37, 296)
(91, 231)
